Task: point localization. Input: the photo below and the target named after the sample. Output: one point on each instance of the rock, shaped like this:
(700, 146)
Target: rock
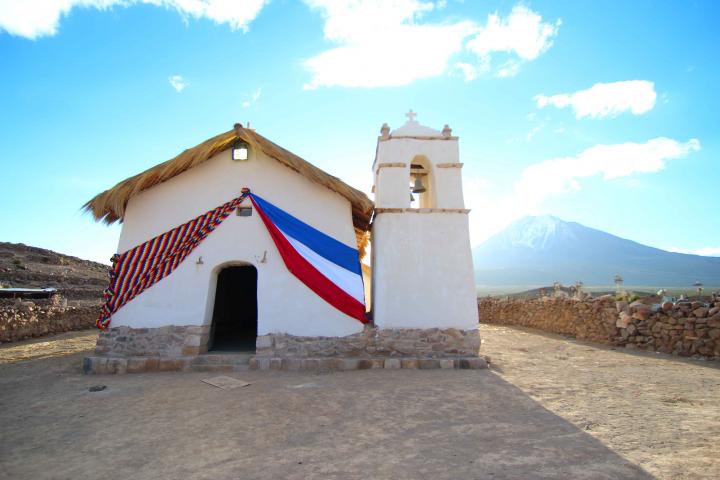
(621, 305)
(700, 312)
(623, 320)
(638, 305)
(667, 306)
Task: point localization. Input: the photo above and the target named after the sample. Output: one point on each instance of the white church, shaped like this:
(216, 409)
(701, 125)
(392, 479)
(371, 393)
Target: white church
(238, 245)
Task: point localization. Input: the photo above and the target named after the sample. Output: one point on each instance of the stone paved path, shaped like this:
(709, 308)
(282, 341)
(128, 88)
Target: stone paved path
(549, 408)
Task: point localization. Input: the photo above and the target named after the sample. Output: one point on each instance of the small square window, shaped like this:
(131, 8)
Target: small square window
(244, 211)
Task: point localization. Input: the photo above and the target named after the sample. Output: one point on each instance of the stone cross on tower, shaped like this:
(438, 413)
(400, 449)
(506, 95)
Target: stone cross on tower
(411, 116)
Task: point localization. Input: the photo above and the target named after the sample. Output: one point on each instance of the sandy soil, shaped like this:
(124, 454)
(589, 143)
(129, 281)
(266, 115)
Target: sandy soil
(658, 411)
(549, 408)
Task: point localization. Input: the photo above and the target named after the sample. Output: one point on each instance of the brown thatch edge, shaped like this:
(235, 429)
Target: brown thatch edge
(109, 206)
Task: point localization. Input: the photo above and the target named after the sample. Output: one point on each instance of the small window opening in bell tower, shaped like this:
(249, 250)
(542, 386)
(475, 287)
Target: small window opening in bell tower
(422, 193)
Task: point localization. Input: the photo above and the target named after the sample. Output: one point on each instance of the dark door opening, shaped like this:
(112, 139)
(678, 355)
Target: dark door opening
(234, 322)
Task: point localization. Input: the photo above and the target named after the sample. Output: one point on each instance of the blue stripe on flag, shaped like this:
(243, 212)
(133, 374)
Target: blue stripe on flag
(322, 244)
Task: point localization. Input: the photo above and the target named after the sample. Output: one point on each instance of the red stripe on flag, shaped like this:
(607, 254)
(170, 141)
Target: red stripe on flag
(310, 276)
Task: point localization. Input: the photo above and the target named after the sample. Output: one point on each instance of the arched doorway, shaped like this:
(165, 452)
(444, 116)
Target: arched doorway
(234, 320)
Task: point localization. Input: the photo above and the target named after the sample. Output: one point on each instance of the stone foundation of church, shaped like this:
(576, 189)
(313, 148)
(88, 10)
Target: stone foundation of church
(169, 341)
(183, 348)
(375, 342)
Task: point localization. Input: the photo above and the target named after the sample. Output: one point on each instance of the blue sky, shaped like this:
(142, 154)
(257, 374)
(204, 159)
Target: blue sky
(604, 113)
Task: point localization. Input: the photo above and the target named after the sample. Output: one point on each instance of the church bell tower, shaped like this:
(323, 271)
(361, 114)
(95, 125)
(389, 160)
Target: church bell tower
(422, 264)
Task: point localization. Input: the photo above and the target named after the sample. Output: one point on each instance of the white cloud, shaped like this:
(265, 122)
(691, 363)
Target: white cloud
(508, 69)
(469, 72)
(705, 251)
(560, 175)
(557, 176)
(523, 33)
(178, 83)
(37, 18)
(605, 99)
(381, 43)
(252, 98)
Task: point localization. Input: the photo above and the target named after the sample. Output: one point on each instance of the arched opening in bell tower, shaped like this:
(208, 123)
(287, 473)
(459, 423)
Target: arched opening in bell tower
(422, 183)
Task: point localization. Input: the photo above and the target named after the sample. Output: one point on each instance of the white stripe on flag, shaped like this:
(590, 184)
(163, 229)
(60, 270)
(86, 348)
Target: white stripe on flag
(346, 280)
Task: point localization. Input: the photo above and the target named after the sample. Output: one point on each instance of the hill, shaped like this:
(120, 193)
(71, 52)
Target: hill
(22, 266)
(544, 249)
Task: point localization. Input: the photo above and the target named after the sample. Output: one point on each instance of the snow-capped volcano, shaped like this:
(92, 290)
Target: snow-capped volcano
(541, 250)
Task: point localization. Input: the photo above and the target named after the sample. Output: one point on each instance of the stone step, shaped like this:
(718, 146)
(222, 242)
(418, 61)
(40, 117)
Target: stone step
(207, 359)
(240, 362)
(348, 363)
(218, 368)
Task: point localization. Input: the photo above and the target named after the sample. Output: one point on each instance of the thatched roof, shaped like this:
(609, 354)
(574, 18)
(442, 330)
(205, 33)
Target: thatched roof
(109, 206)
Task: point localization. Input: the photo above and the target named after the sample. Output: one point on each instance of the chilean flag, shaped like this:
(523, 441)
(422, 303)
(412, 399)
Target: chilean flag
(328, 267)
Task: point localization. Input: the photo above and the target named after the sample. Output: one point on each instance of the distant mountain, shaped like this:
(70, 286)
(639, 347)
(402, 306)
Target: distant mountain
(541, 250)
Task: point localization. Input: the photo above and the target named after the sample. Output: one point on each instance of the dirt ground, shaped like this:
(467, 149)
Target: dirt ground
(548, 408)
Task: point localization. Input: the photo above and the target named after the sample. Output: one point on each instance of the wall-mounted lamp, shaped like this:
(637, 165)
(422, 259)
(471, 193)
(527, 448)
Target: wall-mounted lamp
(240, 151)
(240, 147)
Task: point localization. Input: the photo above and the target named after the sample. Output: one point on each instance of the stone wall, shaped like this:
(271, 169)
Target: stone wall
(375, 342)
(25, 319)
(170, 341)
(686, 329)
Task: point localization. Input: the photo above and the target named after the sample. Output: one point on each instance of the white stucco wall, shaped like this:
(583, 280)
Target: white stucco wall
(186, 297)
(422, 271)
(422, 262)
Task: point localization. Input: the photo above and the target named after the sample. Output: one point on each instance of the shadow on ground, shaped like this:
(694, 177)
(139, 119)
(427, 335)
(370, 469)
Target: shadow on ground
(366, 424)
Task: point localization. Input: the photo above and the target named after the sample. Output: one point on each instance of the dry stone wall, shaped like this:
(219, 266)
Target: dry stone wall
(685, 329)
(25, 319)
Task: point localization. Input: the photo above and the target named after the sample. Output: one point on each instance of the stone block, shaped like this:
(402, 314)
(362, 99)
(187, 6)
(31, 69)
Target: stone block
(331, 364)
(95, 365)
(409, 363)
(428, 363)
(291, 364)
(392, 363)
(275, 363)
(263, 363)
(170, 364)
(350, 363)
(152, 364)
(264, 341)
(190, 351)
(447, 363)
(311, 364)
(197, 329)
(192, 340)
(117, 365)
(473, 363)
(137, 365)
(370, 363)
(623, 320)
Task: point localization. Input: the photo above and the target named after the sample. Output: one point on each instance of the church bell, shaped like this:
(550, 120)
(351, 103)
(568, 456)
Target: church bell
(418, 187)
